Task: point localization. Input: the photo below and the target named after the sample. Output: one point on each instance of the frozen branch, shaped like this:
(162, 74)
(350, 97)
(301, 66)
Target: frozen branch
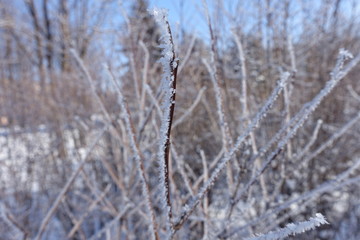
(170, 67)
(293, 228)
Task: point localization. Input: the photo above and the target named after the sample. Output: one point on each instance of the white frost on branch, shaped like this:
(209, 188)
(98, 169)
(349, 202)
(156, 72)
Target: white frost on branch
(187, 210)
(166, 45)
(168, 63)
(293, 229)
(135, 148)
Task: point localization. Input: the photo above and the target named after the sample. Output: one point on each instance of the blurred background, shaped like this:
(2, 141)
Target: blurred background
(50, 115)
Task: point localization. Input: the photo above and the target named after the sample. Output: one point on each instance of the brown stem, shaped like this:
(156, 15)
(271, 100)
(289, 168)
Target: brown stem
(174, 70)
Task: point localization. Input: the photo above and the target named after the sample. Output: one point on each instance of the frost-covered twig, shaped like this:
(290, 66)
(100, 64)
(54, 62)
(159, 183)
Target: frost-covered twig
(87, 212)
(245, 109)
(187, 55)
(190, 109)
(170, 66)
(154, 100)
(337, 74)
(180, 164)
(212, 68)
(298, 120)
(353, 93)
(131, 55)
(149, 111)
(293, 228)
(339, 181)
(91, 83)
(144, 79)
(287, 94)
(137, 152)
(98, 234)
(188, 209)
(290, 46)
(219, 103)
(243, 98)
(130, 133)
(206, 199)
(9, 219)
(312, 140)
(331, 140)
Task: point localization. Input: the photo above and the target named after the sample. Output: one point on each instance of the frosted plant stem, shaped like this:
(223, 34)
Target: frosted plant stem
(287, 89)
(91, 83)
(111, 223)
(93, 90)
(290, 46)
(154, 100)
(297, 157)
(211, 166)
(96, 192)
(137, 152)
(187, 55)
(134, 72)
(336, 76)
(206, 199)
(243, 99)
(296, 122)
(331, 185)
(144, 80)
(313, 138)
(278, 220)
(307, 110)
(354, 94)
(226, 138)
(180, 163)
(245, 109)
(287, 119)
(87, 212)
(213, 71)
(188, 209)
(299, 119)
(190, 109)
(132, 58)
(64, 190)
(12, 222)
(154, 104)
(170, 68)
(293, 229)
(331, 140)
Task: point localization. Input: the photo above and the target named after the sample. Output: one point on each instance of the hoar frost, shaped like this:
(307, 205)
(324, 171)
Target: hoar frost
(168, 63)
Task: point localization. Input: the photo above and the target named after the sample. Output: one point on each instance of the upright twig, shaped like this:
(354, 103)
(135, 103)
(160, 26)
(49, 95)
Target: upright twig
(138, 156)
(339, 181)
(299, 119)
(188, 209)
(245, 109)
(214, 76)
(170, 66)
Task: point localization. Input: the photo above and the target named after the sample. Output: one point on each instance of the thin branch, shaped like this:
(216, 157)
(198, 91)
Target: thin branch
(190, 109)
(170, 68)
(293, 229)
(188, 209)
(339, 181)
(87, 212)
(138, 156)
(111, 223)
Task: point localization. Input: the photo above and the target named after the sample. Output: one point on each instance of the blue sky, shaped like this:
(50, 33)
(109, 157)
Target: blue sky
(187, 14)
